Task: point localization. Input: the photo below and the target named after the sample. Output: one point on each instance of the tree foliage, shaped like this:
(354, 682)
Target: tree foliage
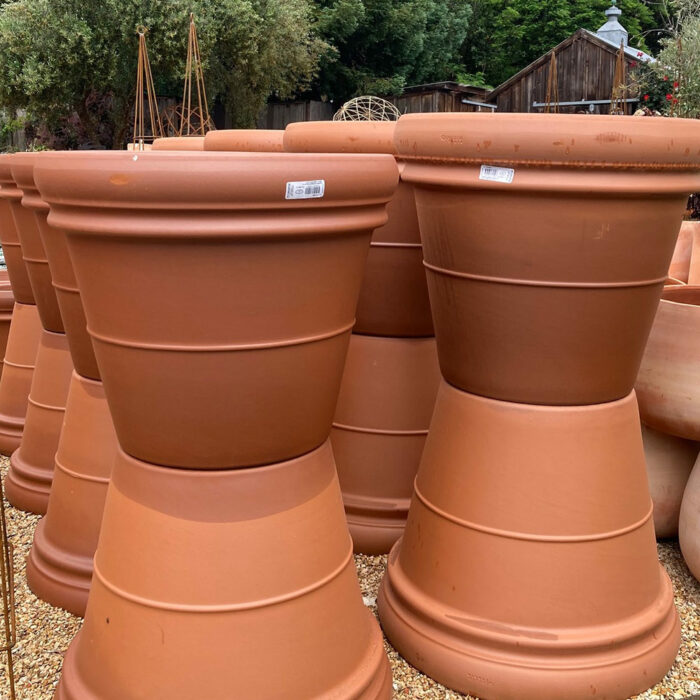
(72, 65)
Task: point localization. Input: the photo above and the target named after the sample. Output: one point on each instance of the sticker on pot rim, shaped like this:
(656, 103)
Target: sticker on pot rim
(494, 174)
(305, 189)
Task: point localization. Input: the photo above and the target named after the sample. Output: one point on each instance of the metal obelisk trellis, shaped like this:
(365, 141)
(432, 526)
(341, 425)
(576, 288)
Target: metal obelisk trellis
(552, 99)
(618, 97)
(197, 120)
(144, 83)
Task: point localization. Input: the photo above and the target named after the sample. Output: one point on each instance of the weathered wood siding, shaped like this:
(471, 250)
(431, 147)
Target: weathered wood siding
(278, 115)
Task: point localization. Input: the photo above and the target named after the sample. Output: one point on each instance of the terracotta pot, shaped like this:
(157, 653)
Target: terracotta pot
(59, 566)
(384, 408)
(668, 384)
(689, 522)
(680, 262)
(669, 461)
(273, 590)
(28, 482)
(529, 546)
(17, 373)
(261, 140)
(179, 143)
(394, 296)
(7, 304)
(11, 247)
(673, 282)
(242, 365)
(691, 229)
(545, 275)
(25, 212)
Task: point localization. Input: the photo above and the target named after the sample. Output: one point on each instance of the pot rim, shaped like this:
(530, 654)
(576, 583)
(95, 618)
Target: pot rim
(683, 289)
(340, 137)
(176, 143)
(245, 140)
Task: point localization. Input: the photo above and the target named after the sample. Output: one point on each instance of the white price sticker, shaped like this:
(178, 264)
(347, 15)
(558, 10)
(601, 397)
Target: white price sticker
(490, 172)
(305, 189)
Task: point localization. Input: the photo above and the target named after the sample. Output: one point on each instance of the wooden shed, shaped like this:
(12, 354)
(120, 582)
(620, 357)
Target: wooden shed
(446, 96)
(585, 73)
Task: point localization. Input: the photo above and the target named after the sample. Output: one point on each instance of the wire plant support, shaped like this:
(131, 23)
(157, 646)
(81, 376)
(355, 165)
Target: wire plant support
(144, 83)
(7, 592)
(367, 108)
(618, 98)
(552, 99)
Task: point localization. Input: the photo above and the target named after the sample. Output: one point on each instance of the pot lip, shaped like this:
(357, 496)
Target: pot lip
(682, 288)
(245, 140)
(163, 180)
(340, 137)
(177, 143)
(8, 186)
(531, 140)
(22, 169)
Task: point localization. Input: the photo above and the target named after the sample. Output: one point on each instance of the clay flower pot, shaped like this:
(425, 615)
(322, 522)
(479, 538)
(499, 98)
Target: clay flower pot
(680, 262)
(234, 370)
(381, 421)
(691, 230)
(529, 546)
(7, 304)
(547, 271)
(669, 462)
(394, 296)
(261, 140)
(689, 522)
(178, 143)
(668, 384)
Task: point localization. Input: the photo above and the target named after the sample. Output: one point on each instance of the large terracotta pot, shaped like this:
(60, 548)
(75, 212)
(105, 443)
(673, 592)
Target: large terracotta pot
(394, 296)
(680, 262)
(384, 408)
(691, 229)
(689, 522)
(668, 384)
(233, 369)
(261, 140)
(18, 371)
(233, 593)
(178, 143)
(529, 546)
(547, 273)
(7, 305)
(669, 462)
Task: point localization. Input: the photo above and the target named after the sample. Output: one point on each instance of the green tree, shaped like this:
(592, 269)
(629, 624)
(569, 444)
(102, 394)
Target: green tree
(379, 46)
(72, 64)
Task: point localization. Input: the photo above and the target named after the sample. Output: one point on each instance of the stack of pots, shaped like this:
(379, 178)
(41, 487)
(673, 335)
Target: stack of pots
(530, 544)
(25, 330)
(391, 374)
(28, 481)
(668, 387)
(220, 307)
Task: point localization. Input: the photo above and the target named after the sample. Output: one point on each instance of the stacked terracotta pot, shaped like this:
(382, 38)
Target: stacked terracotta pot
(220, 302)
(391, 374)
(29, 479)
(25, 329)
(530, 544)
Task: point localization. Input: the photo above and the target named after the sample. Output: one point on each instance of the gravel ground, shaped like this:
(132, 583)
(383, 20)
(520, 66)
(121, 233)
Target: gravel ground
(43, 632)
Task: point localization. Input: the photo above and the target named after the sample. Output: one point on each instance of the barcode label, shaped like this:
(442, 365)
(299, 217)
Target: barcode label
(489, 172)
(307, 189)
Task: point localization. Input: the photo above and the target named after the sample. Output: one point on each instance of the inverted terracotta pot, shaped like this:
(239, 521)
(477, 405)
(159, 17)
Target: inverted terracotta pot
(241, 365)
(693, 228)
(11, 247)
(260, 140)
(59, 566)
(273, 590)
(530, 546)
(18, 370)
(680, 262)
(689, 523)
(668, 385)
(394, 296)
(669, 462)
(384, 408)
(179, 143)
(28, 482)
(544, 276)
(23, 211)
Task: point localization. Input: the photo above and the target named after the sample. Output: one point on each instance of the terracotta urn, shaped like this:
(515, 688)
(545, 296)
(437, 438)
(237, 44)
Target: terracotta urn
(178, 143)
(668, 384)
(28, 482)
(394, 295)
(261, 140)
(689, 522)
(25, 330)
(691, 230)
(556, 308)
(530, 541)
(238, 561)
(381, 421)
(669, 461)
(680, 262)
